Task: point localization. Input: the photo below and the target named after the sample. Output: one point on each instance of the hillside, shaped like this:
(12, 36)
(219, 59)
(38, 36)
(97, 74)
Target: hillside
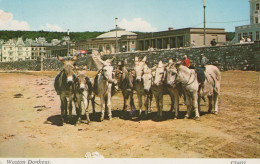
(74, 36)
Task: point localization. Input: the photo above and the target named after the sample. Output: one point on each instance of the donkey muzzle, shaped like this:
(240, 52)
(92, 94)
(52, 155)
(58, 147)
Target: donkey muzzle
(70, 79)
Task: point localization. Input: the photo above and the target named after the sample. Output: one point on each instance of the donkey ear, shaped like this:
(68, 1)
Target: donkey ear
(160, 64)
(111, 60)
(74, 58)
(60, 59)
(178, 64)
(136, 59)
(76, 67)
(144, 59)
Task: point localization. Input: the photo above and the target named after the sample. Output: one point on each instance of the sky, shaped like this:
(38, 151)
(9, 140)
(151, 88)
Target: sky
(133, 15)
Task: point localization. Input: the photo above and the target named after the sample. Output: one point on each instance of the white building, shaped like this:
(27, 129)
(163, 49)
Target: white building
(251, 31)
(13, 50)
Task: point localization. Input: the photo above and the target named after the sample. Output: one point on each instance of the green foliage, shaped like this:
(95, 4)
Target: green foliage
(74, 36)
(230, 36)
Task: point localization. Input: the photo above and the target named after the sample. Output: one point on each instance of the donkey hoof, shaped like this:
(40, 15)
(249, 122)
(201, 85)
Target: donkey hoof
(197, 118)
(110, 118)
(186, 118)
(216, 113)
(175, 118)
(101, 119)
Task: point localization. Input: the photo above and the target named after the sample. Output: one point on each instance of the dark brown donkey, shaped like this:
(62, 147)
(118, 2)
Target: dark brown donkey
(65, 86)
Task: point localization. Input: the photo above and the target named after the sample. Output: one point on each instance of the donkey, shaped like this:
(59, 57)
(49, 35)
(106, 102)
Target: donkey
(147, 79)
(210, 87)
(65, 86)
(125, 83)
(104, 84)
(160, 88)
(139, 83)
(177, 73)
(83, 92)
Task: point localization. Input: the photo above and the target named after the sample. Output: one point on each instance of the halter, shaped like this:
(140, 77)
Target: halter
(189, 80)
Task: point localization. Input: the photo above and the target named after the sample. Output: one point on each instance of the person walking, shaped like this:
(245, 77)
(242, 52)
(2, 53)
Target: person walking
(203, 61)
(186, 61)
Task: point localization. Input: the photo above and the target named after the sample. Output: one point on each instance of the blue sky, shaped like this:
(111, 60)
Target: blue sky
(133, 15)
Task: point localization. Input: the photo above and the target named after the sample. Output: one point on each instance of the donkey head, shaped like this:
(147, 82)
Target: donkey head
(147, 79)
(107, 70)
(139, 68)
(68, 68)
(171, 72)
(160, 74)
(81, 74)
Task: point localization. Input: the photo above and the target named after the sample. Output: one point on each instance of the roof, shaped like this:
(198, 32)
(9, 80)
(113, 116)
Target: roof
(114, 34)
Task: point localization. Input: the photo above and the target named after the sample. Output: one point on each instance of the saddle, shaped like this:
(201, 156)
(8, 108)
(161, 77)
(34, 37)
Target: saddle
(200, 74)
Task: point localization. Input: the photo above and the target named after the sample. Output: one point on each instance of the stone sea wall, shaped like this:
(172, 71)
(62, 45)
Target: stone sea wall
(232, 57)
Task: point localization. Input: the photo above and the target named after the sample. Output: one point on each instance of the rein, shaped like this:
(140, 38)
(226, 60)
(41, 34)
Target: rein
(189, 80)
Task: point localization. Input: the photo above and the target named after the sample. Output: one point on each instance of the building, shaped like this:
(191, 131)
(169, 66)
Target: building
(106, 42)
(180, 38)
(13, 50)
(252, 30)
(129, 41)
(60, 48)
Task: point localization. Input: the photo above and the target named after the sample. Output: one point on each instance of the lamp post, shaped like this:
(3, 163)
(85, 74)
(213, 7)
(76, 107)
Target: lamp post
(116, 21)
(68, 33)
(204, 6)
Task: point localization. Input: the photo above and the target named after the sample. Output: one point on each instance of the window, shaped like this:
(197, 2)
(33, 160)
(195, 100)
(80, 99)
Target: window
(257, 35)
(256, 20)
(107, 47)
(32, 48)
(133, 42)
(257, 6)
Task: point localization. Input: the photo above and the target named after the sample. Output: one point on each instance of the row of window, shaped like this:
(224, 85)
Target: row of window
(43, 48)
(246, 35)
(11, 48)
(20, 48)
(108, 46)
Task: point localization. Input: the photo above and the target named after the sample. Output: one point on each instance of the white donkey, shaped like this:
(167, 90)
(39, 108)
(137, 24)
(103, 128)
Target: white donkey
(103, 84)
(160, 88)
(177, 73)
(211, 87)
(139, 82)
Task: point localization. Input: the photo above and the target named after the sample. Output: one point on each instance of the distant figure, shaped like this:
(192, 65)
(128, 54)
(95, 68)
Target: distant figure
(203, 61)
(193, 44)
(242, 40)
(186, 61)
(213, 42)
(248, 39)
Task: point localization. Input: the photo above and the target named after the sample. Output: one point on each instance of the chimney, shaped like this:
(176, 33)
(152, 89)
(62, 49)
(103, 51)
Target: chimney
(170, 28)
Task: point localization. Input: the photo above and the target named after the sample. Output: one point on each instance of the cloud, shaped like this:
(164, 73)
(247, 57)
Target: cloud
(137, 24)
(8, 23)
(52, 27)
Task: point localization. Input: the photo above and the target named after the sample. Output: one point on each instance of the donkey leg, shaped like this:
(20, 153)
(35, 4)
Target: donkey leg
(62, 107)
(210, 104)
(188, 104)
(176, 105)
(85, 106)
(78, 111)
(195, 106)
(215, 103)
(102, 102)
(140, 101)
(109, 106)
(199, 99)
(161, 106)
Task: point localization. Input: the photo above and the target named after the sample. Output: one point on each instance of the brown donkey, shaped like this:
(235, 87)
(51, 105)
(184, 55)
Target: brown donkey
(64, 85)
